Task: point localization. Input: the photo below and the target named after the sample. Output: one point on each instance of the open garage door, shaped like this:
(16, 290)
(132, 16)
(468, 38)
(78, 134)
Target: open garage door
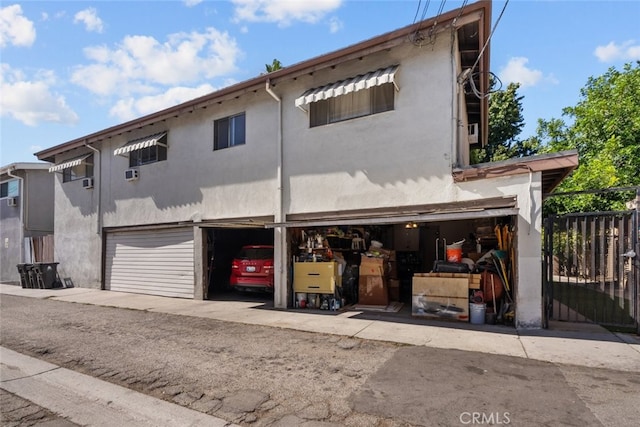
(223, 246)
(153, 262)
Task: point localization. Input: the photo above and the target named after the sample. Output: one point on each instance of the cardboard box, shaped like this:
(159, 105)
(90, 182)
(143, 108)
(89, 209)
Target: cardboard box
(372, 290)
(440, 307)
(455, 287)
(474, 279)
(370, 266)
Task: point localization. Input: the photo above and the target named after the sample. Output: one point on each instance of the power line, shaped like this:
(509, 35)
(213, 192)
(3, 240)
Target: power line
(490, 35)
(468, 74)
(464, 3)
(417, 11)
(424, 11)
(435, 21)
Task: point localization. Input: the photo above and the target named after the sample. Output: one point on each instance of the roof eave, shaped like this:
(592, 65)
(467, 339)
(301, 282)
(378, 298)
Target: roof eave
(23, 166)
(555, 167)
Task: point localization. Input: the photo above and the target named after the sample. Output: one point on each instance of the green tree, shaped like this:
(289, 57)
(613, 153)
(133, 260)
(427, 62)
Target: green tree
(605, 129)
(274, 66)
(505, 124)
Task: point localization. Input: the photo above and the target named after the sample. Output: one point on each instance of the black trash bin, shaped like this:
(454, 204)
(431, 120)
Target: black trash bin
(25, 282)
(47, 275)
(30, 276)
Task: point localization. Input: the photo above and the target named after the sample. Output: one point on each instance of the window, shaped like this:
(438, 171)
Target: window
(143, 156)
(361, 103)
(82, 170)
(229, 132)
(10, 189)
(142, 151)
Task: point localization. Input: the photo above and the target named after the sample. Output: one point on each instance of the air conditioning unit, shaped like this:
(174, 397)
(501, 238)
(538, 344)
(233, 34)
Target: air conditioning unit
(87, 183)
(131, 174)
(12, 201)
(473, 133)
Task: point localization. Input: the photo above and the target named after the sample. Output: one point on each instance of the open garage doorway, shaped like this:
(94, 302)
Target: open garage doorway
(223, 244)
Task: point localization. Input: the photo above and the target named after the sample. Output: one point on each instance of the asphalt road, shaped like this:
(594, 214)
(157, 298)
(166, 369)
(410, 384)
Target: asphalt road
(262, 376)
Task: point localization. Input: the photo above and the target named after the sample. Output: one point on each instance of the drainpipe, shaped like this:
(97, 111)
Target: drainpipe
(280, 255)
(22, 195)
(98, 186)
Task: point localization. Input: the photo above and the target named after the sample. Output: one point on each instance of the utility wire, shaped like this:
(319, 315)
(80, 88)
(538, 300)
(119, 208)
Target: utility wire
(417, 11)
(464, 3)
(415, 37)
(490, 35)
(468, 74)
(435, 21)
(424, 11)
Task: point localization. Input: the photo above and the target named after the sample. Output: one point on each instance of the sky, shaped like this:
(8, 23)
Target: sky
(72, 68)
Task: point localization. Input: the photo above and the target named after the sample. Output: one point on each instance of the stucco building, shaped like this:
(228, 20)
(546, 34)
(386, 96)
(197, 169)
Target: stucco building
(26, 217)
(372, 137)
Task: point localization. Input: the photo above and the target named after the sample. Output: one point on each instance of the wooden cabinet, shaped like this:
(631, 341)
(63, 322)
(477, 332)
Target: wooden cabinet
(316, 277)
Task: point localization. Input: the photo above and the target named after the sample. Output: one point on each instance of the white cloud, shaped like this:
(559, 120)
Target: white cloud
(191, 3)
(627, 51)
(516, 71)
(283, 12)
(32, 101)
(335, 25)
(130, 108)
(89, 17)
(140, 64)
(35, 148)
(15, 29)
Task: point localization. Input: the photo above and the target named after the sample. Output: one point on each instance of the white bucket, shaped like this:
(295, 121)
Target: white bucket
(476, 313)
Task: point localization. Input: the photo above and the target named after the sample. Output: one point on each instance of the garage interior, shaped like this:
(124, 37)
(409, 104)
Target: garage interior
(429, 269)
(442, 265)
(222, 246)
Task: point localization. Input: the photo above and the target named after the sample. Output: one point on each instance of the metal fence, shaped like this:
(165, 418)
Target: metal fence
(591, 268)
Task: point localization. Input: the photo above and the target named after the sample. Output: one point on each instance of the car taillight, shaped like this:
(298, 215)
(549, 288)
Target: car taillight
(235, 265)
(268, 264)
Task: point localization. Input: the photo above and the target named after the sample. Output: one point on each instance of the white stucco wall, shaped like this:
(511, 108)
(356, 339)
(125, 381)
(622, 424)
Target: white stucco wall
(395, 158)
(39, 193)
(78, 246)
(195, 182)
(10, 241)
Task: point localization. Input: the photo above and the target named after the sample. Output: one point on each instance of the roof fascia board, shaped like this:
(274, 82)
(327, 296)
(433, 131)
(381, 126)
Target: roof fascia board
(429, 217)
(24, 166)
(567, 160)
(394, 212)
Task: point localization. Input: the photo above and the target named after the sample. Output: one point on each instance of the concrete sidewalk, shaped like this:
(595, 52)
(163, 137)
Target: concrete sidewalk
(573, 344)
(85, 400)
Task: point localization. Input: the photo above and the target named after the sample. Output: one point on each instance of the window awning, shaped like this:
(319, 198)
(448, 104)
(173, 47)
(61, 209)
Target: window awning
(69, 164)
(353, 84)
(140, 143)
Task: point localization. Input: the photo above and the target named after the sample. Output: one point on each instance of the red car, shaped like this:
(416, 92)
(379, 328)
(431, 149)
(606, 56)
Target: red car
(252, 269)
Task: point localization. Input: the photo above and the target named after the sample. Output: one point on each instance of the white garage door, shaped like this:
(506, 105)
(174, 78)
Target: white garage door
(158, 262)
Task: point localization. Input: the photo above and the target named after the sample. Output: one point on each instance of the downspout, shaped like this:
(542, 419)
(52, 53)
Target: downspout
(98, 186)
(22, 194)
(455, 107)
(280, 297)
